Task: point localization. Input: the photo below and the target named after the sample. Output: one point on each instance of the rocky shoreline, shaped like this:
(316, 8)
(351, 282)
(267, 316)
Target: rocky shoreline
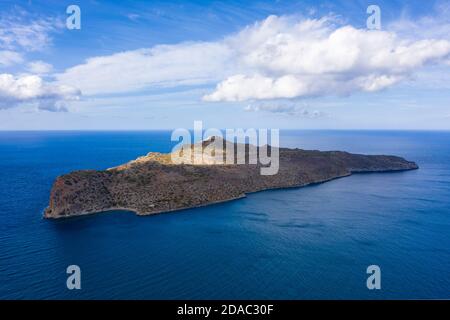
(152, 184)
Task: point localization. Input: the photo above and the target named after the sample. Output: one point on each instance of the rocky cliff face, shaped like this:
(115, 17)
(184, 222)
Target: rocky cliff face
(153, 184)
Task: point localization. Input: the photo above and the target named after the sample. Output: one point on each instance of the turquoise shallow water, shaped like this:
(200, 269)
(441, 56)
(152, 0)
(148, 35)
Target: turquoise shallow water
(313, 242)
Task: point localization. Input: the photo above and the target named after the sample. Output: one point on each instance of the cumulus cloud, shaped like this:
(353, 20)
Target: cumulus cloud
(287, 59)
(277, 58)
(33, 90)
(242, 87)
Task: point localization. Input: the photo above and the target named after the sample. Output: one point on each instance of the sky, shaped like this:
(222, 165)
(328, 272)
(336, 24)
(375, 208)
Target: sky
(143, 65)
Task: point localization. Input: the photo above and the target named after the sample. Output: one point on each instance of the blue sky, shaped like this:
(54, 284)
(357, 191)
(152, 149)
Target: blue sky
(274, 64)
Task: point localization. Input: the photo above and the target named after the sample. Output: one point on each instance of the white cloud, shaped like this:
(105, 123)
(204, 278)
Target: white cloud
(21, 33)
(435, 25)
(285, 108)
(160, 66)
(32, 89)
(133, 16)
(39, 67)
(279, 57)
(18, 31)
(242, 88)
(9, 58)
(430, 26)
(312, 58)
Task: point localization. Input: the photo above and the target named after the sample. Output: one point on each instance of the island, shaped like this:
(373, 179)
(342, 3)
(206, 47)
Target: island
(154, 184)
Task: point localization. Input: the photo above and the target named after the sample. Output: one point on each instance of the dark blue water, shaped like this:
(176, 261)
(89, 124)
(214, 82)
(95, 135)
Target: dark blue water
(313, 242)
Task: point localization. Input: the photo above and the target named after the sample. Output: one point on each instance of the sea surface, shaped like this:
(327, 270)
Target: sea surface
(304, 243)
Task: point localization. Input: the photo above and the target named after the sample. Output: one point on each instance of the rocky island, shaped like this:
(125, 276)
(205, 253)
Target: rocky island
(154, 184)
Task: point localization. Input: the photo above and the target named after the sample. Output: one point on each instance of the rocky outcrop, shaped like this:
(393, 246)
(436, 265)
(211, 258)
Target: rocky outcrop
(154, 184)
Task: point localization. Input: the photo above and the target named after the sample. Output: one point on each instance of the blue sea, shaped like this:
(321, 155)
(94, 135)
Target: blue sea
(304, 243)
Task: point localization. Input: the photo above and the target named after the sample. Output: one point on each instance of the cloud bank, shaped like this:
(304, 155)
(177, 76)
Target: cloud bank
(277, 58)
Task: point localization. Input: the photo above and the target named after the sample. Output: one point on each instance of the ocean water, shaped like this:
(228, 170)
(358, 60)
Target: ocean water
(305, 243)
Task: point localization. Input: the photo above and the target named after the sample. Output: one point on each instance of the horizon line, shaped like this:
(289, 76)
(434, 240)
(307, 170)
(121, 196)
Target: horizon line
(171, 129)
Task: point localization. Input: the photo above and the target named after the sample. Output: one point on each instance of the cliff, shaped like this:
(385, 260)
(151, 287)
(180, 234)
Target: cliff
(153, 183)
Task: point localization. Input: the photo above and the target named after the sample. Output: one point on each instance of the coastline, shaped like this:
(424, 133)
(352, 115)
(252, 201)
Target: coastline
(147, 214)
